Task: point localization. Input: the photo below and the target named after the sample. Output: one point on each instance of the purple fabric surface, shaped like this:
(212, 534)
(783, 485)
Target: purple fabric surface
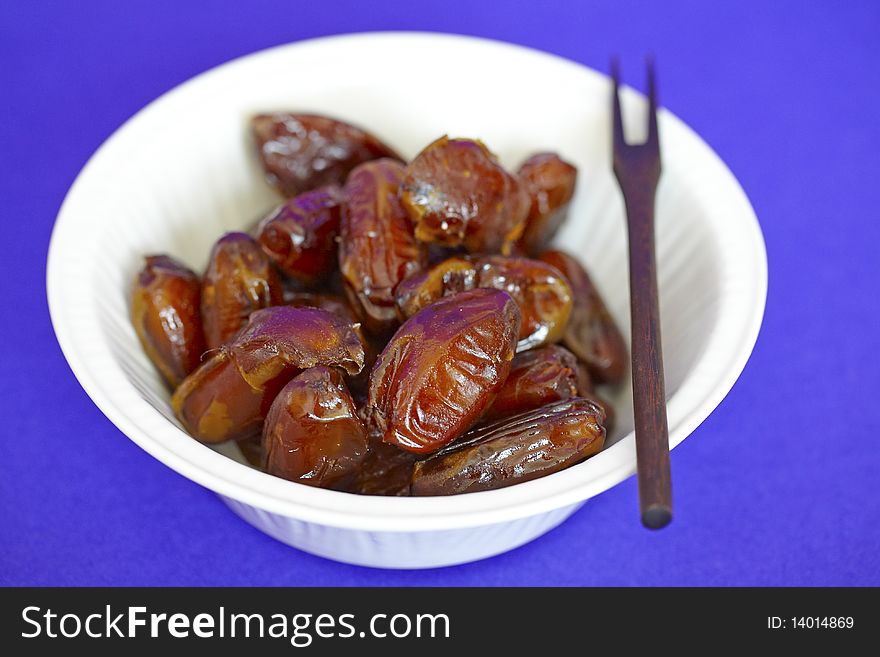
(778, 487)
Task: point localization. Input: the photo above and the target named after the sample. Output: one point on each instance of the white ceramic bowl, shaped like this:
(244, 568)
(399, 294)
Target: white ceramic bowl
(182, 171)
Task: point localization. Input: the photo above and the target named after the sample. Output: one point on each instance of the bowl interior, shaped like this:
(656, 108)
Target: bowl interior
(183, 171)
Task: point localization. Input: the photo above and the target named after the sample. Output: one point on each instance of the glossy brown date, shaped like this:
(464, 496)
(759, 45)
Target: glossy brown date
(377, 249)
(457, 193)
(227, 398)
(305, 337)
(165, 312)
(537, 377)
(239, 280)
(300, 152)
(591, 332)
(543, 296)
(442, 369)
(550, 181)
(299, 236)
(512, 450)
(312, 434)
(444, 279)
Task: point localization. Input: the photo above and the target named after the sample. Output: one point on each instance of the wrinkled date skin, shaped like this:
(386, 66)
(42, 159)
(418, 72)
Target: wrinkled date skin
(550, 181)
(543, 295)
(299, 236)
(444, 279)
(458, 194)
(227, 398)
(591, 332)
(377, 248)
(386, 470)
(300, 152)
(537, 377)
(512, 450)
(442, 369)
(312, 434)
(165, 312)
(338, 306)
(357, 384)
(239, 280)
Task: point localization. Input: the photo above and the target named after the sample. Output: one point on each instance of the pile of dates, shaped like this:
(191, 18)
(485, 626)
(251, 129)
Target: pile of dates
(392, 327)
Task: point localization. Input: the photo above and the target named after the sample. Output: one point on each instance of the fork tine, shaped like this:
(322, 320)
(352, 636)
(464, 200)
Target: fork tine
(652, 104)
(619, 141)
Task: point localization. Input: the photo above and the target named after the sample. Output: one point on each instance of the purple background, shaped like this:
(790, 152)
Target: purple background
(778, 487)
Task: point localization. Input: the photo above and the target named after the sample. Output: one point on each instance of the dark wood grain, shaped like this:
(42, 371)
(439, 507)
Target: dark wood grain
(637, 168)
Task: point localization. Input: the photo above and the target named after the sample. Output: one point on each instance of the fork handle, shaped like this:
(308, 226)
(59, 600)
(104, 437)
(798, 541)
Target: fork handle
(649, 396)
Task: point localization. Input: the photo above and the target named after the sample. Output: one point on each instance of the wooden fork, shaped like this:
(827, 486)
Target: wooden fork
(637, 168)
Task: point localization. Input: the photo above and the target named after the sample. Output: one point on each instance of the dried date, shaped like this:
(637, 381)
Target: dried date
(299, 236)
(300, 152)
(377, 249)
(239, 280)
(458, 194)
(512, 450)
(442, 369)
(551, 182)
(165, 303)
(312, 434)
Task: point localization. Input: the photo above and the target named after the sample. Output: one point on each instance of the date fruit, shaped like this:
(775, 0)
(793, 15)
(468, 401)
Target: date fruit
(515, 449)
(165, 312)
(550, 181)
(543, 296)
(300, 152)
(457, 193)
(537, 377)
(312, 434)
(239, 280)
(442, 369)
(444, 279)
(591, 332)
(227, 398)
(377, 248)
(299, 236)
